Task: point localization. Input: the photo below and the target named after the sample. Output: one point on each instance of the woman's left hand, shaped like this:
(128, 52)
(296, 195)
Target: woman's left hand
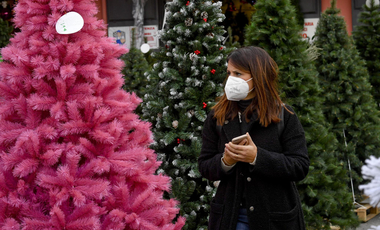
(244, 153)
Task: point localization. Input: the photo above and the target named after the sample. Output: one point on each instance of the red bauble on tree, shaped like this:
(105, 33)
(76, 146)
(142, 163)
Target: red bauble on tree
(179, 140)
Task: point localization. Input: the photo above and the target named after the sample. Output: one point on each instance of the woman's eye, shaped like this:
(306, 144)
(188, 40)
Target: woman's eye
(238, 74)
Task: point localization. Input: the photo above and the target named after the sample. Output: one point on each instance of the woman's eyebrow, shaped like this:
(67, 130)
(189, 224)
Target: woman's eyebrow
(234, 71)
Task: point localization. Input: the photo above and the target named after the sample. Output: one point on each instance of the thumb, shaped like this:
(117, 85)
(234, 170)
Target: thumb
(249, 139)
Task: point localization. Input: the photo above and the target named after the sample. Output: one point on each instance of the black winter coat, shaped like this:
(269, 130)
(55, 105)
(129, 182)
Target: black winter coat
(272, 199)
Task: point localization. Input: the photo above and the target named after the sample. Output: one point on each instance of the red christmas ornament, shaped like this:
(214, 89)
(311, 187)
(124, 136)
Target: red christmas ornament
(166, 46)
(197, 52)
(179, 140)
(204, 105)
(205, 19)
(221, 48)
(212, 71)
(187, 3)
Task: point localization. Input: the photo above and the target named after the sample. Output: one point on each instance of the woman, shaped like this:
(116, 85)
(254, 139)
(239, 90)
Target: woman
(257, 175)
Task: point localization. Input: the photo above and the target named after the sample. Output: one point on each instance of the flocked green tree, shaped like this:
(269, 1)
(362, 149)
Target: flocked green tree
(325, 197)
(134, 71)
(349, 105)
(367, 40)
(182, 88)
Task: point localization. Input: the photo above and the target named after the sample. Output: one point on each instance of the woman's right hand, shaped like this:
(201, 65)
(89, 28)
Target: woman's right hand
(228, 153)
(245, 151)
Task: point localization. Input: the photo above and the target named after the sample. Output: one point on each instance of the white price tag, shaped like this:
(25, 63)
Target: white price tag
(69, 23)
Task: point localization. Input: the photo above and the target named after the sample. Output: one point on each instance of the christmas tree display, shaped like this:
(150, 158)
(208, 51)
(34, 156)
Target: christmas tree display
(135, 67)
(349, 105)
(183, 87)
(73, 155)
(367, 40)
(324, 195)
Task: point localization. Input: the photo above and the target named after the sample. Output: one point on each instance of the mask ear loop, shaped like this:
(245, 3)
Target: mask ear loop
(252, 88)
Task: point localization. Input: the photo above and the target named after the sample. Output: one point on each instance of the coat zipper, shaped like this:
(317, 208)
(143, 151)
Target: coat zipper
(239, 113)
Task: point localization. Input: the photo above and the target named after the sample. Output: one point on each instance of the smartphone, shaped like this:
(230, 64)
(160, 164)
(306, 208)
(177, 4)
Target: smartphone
(238, 139)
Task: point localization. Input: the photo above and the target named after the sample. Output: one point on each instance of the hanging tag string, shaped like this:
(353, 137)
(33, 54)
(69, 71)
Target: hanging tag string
(349, 168)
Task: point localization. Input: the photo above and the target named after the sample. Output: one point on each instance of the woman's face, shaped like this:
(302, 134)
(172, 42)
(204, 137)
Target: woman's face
(235, 72)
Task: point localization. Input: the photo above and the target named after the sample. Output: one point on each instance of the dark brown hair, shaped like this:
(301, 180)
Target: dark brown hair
(263, 69)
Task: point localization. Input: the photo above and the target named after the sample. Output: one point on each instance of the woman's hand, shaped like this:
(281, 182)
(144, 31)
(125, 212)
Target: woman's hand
(245, 151)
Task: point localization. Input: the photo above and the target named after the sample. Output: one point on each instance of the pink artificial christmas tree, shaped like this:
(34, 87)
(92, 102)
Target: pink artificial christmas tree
(73, 155)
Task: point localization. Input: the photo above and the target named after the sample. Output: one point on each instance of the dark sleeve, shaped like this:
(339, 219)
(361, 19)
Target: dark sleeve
(293, 163)
(209, 161)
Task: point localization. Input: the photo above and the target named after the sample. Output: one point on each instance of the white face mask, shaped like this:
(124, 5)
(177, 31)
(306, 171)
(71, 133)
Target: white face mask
(236, 88)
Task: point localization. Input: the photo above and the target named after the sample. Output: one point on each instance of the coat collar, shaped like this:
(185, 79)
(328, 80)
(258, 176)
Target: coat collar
(232, 128)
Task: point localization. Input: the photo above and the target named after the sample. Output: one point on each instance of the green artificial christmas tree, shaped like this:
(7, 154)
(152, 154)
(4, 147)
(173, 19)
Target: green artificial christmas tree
(367, 41)
(349, 105)
(134, 71)
(6, 30)
(182, 89)
(325, 197)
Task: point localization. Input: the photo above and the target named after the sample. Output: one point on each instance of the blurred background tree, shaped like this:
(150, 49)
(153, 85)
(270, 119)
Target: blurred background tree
(134, 71)
(367, 40)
